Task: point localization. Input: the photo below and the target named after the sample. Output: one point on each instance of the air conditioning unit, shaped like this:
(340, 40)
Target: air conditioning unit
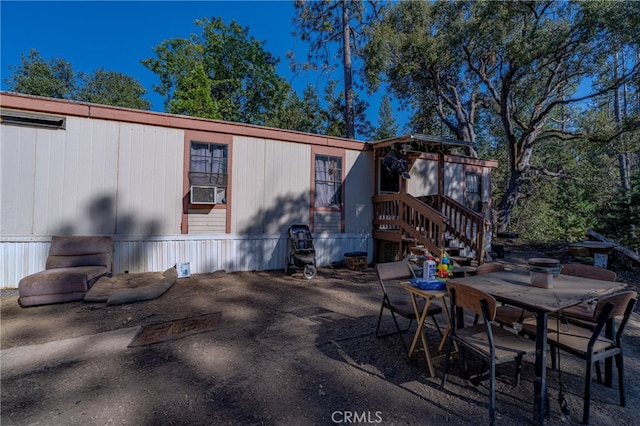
(204, 194)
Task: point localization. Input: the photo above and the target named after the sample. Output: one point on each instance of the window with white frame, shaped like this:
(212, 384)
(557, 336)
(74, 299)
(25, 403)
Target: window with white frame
(208, 167)
(328, 181)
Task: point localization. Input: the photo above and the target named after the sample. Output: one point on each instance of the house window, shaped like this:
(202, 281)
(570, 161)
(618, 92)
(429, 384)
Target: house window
(208, 168)
(473, 191)
(328, 181)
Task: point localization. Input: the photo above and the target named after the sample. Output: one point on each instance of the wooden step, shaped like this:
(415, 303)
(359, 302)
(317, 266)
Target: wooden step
(453, 251)
(461, 260)
(464, 271)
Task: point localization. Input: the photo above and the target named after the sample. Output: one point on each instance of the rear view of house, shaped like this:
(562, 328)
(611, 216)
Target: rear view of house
(219, 195)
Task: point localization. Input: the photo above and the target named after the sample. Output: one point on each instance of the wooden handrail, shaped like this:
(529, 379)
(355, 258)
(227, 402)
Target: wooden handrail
(404, 216)
(465, 225)
(408, 217)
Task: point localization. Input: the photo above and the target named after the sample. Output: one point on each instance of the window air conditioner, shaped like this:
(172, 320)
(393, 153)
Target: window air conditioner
(204, 194)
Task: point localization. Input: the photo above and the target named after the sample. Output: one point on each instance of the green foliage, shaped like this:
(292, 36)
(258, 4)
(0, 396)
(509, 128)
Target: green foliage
(340, 23)
(56, 79)
(303, 115)
(512, 70)
(193, 96)
(240, 75)
(35, 76)
(623, 220)
(387, 127)
(112, 88)
(335, 121)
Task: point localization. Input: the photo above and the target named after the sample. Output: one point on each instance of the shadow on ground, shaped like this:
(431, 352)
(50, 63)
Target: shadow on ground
(287, 351)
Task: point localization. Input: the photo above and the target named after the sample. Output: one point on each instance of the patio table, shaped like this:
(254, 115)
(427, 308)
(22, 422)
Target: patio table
(429, 296)
(514, 288)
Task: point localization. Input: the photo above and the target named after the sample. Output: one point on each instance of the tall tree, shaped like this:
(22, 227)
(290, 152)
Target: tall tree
(35, 76)
(112, 88)
(335, 113)
(301, 114)
(56, 79)
(241, 75)
(193, 96)
(322, 23)
(387, 126)
(520, 62)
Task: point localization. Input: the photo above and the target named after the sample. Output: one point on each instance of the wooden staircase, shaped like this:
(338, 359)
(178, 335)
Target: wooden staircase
(432, 224)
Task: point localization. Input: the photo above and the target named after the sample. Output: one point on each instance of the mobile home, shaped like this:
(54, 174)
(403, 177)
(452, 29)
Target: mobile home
(218, 195)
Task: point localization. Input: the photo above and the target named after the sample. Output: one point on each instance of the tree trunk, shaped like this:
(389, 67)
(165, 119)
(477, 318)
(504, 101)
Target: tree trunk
(348, 82)
(620, 111)
(508, 201)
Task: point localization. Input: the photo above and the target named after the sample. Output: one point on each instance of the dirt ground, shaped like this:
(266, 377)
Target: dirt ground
(288, 351)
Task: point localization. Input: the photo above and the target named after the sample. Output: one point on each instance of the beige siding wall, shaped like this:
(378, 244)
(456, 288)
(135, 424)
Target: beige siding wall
(149, 180)
(327, 222)
(359, 189)
(203, 222)
(18, 156)
(271, 185)
(424, 180)
(95, 177)
(454, 181)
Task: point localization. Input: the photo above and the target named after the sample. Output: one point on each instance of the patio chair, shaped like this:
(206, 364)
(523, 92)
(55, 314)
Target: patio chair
(584, 311)
(588, 344)
(391, 272)
(493, 344)
(506, 315)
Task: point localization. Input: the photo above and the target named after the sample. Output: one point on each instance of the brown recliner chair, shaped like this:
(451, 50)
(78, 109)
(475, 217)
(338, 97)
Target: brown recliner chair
(74, 264)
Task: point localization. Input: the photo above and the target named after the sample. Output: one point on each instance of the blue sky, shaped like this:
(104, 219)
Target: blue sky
(117, 35)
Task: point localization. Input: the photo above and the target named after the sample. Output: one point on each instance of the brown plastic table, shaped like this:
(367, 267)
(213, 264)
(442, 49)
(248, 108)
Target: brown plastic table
(429, 296)
(514, 288)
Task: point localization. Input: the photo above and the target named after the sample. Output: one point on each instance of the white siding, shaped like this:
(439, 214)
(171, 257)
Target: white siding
(231, 252)
(150, 167)
(454, 181)
(207, 222)
(327, 221)
(95, 177)
(271, 185)
(17, 179)
(424, 180)
(359, 189)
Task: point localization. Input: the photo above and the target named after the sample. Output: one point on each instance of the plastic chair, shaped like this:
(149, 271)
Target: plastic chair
(402, 306)
(488, 341)
(588, 344)
(584, 311)
(505, 315)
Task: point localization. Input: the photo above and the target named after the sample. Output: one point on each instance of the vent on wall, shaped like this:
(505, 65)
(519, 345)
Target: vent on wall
(31, 119)
(204, 194)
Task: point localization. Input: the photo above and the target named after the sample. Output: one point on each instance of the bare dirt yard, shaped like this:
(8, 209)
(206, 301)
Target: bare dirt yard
(287, 351)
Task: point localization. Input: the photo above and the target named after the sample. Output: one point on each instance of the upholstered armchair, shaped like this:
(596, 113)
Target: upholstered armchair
(74, 264)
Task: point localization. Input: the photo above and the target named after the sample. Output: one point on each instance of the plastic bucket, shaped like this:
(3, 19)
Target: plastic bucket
(184, 269)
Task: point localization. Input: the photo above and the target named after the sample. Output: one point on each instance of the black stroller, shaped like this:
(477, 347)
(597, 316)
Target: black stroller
(301, 251)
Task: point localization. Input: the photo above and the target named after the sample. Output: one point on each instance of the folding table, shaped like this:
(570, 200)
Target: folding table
(429, 296)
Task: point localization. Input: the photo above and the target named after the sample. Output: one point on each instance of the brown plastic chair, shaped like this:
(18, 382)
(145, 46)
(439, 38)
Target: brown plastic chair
(486, 268)
(588, 271)
(388, 275)
(488, 341)
(505, 315)
(588, 343)
(584, 311)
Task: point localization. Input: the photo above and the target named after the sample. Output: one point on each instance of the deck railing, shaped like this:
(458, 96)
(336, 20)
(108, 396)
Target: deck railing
(399, 217)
